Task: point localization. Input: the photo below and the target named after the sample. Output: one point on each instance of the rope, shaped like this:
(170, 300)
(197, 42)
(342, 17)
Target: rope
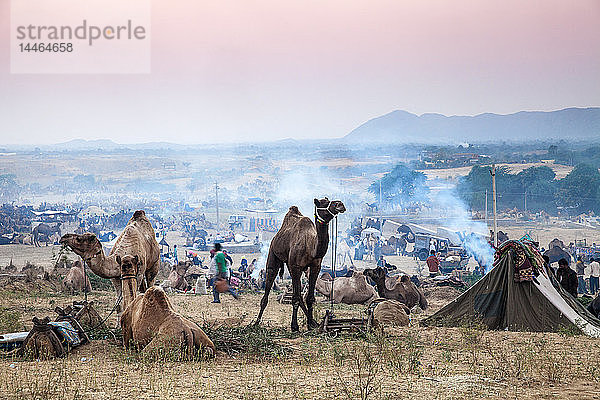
(117, 303)
(103, 321)
(334, 232)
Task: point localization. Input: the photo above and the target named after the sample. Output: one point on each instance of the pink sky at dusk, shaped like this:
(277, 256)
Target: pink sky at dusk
(262, 70)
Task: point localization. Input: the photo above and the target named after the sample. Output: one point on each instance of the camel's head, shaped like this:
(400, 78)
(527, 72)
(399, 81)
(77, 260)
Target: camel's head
(182, 267)
(375, 274)
(327, 209)
(129, 266)
(85, 246)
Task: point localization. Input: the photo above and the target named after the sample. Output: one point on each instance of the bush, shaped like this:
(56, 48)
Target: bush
(9, 321)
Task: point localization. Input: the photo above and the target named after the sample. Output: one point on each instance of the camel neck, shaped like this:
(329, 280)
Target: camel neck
(129, 288)
(322, 238)
(381, 287)
(103, 266)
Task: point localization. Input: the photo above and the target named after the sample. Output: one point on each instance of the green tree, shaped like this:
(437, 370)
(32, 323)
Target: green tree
(400, 186)
(9, 189)
(539, 186)
(537, 183)
(580, 190)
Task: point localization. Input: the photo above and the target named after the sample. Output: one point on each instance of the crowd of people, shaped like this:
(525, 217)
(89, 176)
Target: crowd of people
(592, 270)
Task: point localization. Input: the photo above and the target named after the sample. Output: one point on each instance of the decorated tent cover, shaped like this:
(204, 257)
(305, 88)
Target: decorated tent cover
(520, 293)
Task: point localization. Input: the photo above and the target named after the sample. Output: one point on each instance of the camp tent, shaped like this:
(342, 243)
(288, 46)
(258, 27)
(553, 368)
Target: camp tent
(90, 212)
(518, 294)
(163, 243)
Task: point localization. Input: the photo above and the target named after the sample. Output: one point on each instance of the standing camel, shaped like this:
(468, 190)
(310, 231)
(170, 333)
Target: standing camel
(301, 244)
(137, 240)
(43, 232)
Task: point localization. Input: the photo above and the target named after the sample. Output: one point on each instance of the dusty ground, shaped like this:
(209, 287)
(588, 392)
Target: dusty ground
(412, 362)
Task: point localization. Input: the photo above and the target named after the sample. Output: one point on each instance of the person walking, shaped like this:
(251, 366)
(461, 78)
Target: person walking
(221, 273)
(567, 277)
(433, 263)
(580, 269)
(175, 255)
(594, 276)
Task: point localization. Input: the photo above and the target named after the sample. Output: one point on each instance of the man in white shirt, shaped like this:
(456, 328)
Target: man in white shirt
(594, 276)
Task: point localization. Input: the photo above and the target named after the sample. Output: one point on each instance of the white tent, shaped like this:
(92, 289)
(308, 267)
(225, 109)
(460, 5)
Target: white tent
(91, 211)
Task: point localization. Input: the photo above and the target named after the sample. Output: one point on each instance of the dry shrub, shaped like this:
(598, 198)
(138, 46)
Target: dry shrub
(10, 321)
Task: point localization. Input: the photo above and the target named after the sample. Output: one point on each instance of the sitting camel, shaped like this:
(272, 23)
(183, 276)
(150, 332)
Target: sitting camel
(76, 279)
(137, 239)
(301, 244)
(404, 290)
(391, 313)
(347, 290)
(150, 323)
(176, 279)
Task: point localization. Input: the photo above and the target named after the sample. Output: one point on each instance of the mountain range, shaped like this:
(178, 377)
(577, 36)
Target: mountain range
(402, 126)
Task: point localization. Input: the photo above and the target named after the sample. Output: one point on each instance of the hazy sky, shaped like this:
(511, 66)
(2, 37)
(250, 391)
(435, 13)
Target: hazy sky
(226, 70)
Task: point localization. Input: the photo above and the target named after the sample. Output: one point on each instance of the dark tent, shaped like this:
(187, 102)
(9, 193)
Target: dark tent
(162, 243)
(518, 294)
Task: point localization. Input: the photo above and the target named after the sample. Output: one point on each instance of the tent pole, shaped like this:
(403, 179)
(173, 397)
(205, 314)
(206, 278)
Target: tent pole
(494, 200)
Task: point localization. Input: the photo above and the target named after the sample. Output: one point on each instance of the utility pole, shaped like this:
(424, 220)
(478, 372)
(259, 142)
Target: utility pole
(380, 209)
(217, 202)
(494, 202)
(525, 201)
(486, 207)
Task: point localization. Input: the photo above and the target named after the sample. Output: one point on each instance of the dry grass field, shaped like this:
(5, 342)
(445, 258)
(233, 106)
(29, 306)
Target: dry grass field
(412, 362)
(272, 363)
(453, 173)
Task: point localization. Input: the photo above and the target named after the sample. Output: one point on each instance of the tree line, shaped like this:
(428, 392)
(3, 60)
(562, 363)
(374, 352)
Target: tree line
(534, 189)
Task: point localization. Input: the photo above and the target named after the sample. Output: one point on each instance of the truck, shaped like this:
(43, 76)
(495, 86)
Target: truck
(451, 256)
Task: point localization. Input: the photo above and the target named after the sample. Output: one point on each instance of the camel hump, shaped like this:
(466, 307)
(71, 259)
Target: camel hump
(155, 296)
(139, 214)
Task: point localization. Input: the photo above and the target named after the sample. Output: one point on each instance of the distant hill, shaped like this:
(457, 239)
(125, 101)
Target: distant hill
(107, 145)
(82, 144)
(402, 126)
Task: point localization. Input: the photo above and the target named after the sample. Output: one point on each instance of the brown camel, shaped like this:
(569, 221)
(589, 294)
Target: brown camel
(150, 323)
(404, 290)
(43, 232)
(347, 290)
(176, 279)
(391, 312)
(76, 280)
(301, 244)
(137, 239)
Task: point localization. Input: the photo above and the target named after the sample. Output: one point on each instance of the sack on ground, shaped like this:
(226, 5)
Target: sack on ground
(221, 285)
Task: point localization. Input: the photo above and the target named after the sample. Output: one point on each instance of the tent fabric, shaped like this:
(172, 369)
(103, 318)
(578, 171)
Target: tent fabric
(506, 299)
(67, 332)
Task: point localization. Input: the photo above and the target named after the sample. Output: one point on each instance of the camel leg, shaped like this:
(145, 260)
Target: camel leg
(273, 266)
(297, 301)
(310, 297)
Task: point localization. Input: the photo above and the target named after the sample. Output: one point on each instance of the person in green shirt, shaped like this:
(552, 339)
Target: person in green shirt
(221, 269)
